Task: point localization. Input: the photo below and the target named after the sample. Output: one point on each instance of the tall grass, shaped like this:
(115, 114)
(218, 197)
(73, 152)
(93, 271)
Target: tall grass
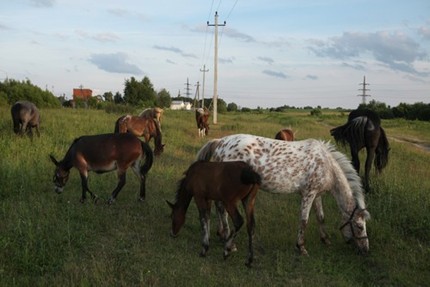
(50, 239)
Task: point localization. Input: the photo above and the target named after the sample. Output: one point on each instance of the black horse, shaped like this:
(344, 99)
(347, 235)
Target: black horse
(25, 116)
(363, 130)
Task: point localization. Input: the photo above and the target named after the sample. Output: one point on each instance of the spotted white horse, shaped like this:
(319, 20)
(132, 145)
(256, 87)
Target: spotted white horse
(310, 167)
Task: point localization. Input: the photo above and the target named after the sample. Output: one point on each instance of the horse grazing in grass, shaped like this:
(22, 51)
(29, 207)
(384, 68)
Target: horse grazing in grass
(141, 127)
(285, 135)
(309, 167)
(202, 117)
(104, 153)
(153, 113)
(227, 182)
(25, 116)
(363, 130)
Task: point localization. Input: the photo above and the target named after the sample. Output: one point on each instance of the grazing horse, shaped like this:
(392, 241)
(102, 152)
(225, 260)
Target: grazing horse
(202, 117)
(227, 182)
(309, 167)
(285, 135)
(141, 127)
(363, 130)
(153, 113)
(25, 116)
(104, 153)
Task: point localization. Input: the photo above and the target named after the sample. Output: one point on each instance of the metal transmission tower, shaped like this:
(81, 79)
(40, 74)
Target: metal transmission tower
(215, 96)
(203, 88)
(187, 89)
(364, 90)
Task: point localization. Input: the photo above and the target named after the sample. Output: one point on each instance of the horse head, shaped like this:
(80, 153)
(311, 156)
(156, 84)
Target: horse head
(354, 229)
(61, 176)
(178, 218)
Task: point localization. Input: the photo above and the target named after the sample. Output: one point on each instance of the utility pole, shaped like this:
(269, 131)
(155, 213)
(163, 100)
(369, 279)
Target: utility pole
(364, 90)
(203, 88)
(197, 96)
(215, 96)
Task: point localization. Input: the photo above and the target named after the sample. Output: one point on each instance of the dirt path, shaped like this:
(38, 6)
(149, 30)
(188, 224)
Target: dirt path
(419, 144)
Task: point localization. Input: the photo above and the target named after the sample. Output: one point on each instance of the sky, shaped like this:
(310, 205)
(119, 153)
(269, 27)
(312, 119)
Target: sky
(270, 53)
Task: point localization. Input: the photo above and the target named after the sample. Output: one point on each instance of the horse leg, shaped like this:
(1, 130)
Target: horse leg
(306, 205)
(84, 183)
(248, 205)
(120, 185)
(205, 213)
(223, 227)
(320, 218)
(237, 222)
(142, 178)
(369, 160)
(355, 159)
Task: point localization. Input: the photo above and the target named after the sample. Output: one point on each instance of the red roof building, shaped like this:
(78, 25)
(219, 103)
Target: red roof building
(82, 94)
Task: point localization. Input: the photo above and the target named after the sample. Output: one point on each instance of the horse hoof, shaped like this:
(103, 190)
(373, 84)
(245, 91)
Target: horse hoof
(141, 199)
(82, 200)
(248, 263)
(111, 200)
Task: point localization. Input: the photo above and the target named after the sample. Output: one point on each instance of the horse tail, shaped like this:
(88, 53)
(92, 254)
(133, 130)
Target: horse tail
(381, 159)
(249, 176)
(351, 132)
(149, 158)
(205, 153)
(351, 175)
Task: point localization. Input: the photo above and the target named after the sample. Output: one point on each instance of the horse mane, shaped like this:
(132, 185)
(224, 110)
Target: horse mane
(350, 173)
(205, 153)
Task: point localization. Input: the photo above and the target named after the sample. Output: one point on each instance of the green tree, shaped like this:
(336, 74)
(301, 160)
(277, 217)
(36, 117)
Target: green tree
(163, 99)
(139, 93)
(108, 96)
(232, 107)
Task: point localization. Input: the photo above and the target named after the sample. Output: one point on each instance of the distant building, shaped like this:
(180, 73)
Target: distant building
(180, 105)
(82, 94)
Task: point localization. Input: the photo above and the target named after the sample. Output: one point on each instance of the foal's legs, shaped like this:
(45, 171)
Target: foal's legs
(237, 222)
(205, 212)
(120, 185)
(320, 218)
(248, 204)
(223, 227)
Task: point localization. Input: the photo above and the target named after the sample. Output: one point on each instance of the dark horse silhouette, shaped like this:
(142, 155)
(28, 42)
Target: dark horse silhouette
(228, 182)
(202, 117)
(104, 153)
(363, 130)
(25, 116)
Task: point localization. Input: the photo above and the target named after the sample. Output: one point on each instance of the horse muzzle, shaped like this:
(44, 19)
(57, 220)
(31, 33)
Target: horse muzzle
(58, 189)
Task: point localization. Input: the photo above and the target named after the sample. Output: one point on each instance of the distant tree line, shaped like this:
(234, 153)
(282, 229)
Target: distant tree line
(142, 94)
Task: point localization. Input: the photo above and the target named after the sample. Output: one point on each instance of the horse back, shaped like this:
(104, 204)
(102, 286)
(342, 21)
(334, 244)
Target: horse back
(106, 151)
(371, 115)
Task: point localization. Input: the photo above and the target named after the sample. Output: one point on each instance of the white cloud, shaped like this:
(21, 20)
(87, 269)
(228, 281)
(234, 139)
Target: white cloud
(115, 63)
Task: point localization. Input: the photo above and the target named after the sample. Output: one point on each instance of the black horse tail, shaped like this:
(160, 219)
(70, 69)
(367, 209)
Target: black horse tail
(249, 176)
(381, 159)
(149, 158)
(351, 132)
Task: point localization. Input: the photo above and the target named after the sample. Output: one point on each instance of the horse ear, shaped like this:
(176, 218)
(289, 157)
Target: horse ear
(53, 159)
(171, 205)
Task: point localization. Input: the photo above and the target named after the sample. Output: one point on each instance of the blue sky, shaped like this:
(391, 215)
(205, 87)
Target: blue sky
(271, 53)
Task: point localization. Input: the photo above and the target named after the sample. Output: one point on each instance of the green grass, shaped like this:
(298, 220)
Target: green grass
(53, 240)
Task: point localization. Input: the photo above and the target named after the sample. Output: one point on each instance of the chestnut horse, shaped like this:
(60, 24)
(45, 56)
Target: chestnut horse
(141, 127)
(227, 182)
(285, 135)
(104, 153)
(202, 117)
(363, 130)
(153, 113)
(308, 167)
(25, 116)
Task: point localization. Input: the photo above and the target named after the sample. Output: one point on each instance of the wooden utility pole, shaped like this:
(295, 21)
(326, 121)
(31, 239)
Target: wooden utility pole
(203, 87)
(215, 96)
(364, 90)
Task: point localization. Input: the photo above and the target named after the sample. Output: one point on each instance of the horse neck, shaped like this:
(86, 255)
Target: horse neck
(67, 162)
(183, 197)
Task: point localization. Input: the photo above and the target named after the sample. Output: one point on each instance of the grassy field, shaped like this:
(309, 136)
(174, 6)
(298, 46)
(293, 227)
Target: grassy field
(53, 240)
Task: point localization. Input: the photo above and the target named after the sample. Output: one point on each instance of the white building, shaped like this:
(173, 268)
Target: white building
(180, 105)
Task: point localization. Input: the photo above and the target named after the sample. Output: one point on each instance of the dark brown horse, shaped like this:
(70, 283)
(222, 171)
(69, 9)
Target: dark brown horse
(285, 135)
(227, 182)
(141, 127)
(25, 116)
(104, 153)
(363, 130)
(202, 117)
